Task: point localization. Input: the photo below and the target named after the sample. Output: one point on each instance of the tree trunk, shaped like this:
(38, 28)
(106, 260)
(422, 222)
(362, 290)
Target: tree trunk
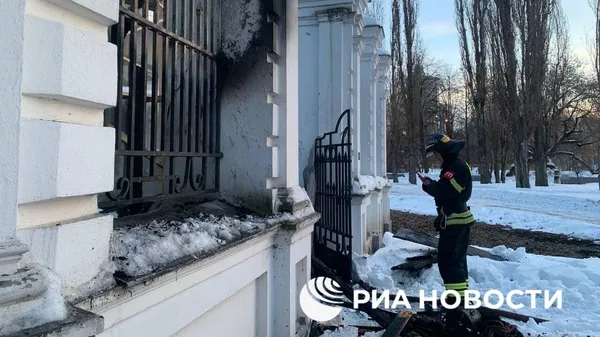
(541, 172)
(521, 167)
(412, 169)
(485, 175)
(496, 168)
(485, 172)
(395, 170)
(503, 165)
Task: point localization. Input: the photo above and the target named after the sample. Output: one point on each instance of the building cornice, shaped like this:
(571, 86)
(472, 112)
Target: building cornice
(334, 14)
(359, 44)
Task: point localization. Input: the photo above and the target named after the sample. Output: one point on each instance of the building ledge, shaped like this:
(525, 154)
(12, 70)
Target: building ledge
(192, 261)
(78, 323)
(129, 286)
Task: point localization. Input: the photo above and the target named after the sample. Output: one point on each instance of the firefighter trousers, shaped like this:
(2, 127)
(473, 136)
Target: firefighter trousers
(452, 257)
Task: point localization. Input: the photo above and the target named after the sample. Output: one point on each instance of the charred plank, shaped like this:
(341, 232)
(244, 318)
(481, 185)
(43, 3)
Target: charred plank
(432, 241)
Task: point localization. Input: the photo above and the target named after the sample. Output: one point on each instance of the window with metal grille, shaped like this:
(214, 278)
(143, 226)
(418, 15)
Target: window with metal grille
(167, 118)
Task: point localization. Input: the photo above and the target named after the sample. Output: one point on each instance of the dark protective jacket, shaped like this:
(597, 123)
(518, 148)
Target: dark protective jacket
(452, 191)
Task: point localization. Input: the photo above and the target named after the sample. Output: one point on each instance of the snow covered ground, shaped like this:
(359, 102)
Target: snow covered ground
(560, 209)
(578, 279)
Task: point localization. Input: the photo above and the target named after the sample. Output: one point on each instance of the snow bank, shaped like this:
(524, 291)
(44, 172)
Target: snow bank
(53, 307)
(147, 247)
(364, 184)
(560, 209)
(579, 281)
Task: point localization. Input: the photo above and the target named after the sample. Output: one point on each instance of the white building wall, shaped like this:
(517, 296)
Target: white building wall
(69, 76)
(308, 81)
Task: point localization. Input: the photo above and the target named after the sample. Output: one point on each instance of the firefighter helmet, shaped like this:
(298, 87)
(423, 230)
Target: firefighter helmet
(443, 144)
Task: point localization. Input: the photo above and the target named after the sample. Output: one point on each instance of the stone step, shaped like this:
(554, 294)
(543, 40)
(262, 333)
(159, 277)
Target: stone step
(77, 324)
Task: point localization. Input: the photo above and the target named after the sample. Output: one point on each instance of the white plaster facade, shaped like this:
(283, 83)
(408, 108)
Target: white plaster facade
(59, 74)
(342, 66)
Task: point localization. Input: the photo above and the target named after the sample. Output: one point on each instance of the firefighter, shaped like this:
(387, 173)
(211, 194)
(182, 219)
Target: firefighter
(451, 193)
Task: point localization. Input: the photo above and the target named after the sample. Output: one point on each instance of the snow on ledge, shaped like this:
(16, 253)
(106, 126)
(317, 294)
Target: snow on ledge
(53, 307)
(146, 248)
(363, 184)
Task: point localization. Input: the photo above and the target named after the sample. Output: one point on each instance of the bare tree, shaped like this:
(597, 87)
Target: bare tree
(535, 28)
(409, 78)
(508, 90)
(395, 111)
(497, 109)
(595, 5)
(472, 27)
(376, 9)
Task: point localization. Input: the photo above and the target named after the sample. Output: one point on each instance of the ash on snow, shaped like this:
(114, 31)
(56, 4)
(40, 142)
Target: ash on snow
(147, 247)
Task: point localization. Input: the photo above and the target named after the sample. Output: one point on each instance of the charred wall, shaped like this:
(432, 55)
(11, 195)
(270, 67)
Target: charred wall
(246, 117)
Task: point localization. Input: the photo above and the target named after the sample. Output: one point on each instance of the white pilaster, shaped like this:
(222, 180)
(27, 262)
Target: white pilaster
(21, 289)
(372, 36)
(11, 68)
(291, 271)
(68, 65)
(284, 181)
(356, 72)
(382, 98)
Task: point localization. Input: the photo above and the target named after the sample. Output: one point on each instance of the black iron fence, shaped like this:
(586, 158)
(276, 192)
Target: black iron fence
(167, 118)
(332, 237)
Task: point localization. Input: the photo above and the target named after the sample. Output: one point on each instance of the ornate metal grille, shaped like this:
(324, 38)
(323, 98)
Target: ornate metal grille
(167, 120)
(332, 238)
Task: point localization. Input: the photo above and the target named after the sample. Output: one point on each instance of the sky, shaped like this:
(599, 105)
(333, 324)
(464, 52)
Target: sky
(440, 39)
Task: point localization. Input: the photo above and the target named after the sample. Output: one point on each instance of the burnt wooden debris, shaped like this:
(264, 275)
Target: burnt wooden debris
(484, 322)
(398, 324)
(432, 241)
(418, 263)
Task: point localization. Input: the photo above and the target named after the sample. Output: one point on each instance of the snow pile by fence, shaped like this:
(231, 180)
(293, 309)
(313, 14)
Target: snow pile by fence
(146, 248)
(364, 184)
